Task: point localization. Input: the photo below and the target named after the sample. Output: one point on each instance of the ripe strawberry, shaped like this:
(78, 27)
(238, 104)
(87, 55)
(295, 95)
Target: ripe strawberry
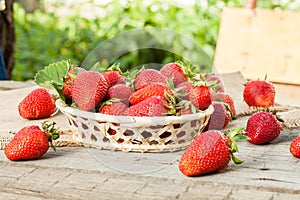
(226, 98)
(295, 147)
(219, 118)
(155, 89)
(174, 71)
(152, 106)
(30, 142)
(210, 152)
(120, 91)
(200, 96)
(184, 88)
(113, 77)
(38, 104)
(147, 77)
(260, 93)
(113, 108)
(185, 111)
(262, 127)
(89, 89)
(68, 83)
(217, 85)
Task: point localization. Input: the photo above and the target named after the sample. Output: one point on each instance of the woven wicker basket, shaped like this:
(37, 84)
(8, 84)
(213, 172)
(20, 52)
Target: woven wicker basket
(141, 134)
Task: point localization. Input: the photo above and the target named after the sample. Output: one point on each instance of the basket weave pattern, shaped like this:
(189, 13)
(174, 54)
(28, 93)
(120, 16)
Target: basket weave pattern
(141, 134)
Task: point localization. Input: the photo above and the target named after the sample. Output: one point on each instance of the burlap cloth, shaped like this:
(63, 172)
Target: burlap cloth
(11, 93)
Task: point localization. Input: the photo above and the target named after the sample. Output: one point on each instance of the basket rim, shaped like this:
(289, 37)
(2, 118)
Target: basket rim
(132, 119)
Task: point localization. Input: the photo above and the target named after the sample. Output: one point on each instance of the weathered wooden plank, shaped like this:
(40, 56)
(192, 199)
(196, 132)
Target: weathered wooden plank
(269, 171)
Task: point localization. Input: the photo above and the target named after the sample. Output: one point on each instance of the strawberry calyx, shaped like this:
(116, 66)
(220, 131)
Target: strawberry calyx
(227, 106)
(51, 131)
(188, 69)
(174, 101)
(234, 135)
(110, 102)
(115, 67)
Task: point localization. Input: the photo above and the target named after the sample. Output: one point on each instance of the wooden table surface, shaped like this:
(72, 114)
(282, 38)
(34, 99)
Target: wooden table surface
(268, 172)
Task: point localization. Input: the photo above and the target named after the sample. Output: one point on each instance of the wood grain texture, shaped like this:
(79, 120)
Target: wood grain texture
(268, 172)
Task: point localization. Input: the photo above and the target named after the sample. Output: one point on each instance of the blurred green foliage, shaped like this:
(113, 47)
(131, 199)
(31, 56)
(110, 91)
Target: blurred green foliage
(45, 37)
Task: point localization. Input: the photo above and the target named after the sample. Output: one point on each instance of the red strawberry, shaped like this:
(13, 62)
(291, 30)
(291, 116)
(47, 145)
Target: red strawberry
(259, 93)
(152, 106)
(38, 104)
(67, 88)
(226, 98)
(89, 89)
(295, 147)
(219, 118)
(185, 111)
(113, 108)
(113, 78)
(200, 96)
(30, 143)
(120, 91)
(174, 71)
(217, 86)
(210, 152)
(155, 89)
(184, 89)
(147, 77)
(262, 127)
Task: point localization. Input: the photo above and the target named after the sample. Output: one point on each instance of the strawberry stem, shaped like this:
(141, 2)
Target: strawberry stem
(51, 132)
(236, 135)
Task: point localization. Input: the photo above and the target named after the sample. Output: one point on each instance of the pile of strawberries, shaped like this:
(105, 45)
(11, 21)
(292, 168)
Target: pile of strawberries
(168, 91)
(172, 90)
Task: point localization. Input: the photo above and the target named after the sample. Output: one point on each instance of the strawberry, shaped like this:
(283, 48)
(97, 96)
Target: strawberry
(184, 88)
(260, 93)
(113, 108)
(217, 85)
(152, 106)
(295, 147)
(68, 82)
(38, 104)
(155, 89)
(219, 118)
(185, 111)
(89, 89)
(113, 77)
(200, 96)
(226, 98)
(262, 127)
(174, 71)
(120, 91)
(210, 152)
(147, 77)
(30, 142)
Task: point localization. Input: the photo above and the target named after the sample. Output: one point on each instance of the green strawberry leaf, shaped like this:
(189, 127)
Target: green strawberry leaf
(234, 132)
(234, 147)
(236, 160)
(53, 73)
(241, 137)
(52, 76)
